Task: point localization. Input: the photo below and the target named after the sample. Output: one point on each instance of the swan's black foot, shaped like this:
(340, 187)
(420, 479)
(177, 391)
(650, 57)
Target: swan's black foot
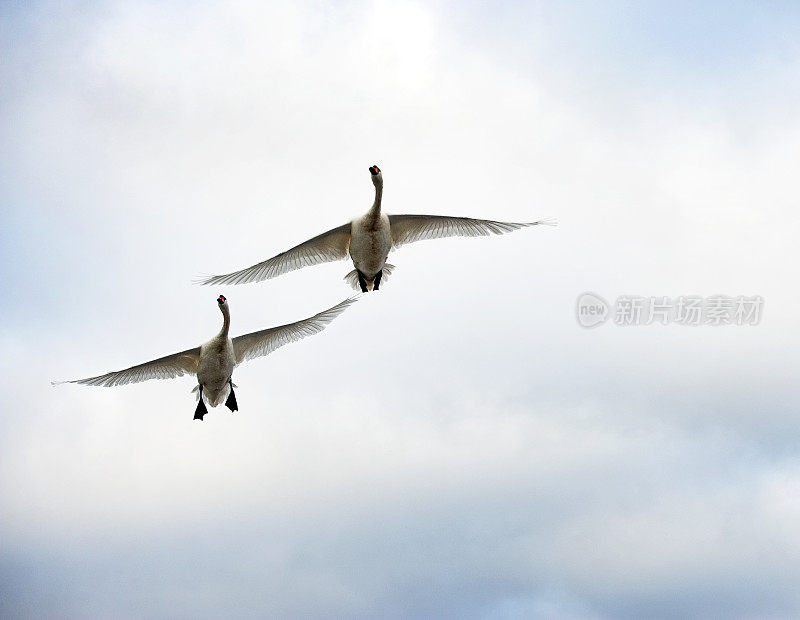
(231, 402)
(377, 281)
(362, 281)
(201, 407)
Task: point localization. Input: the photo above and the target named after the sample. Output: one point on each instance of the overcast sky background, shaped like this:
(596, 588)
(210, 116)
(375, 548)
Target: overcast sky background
(454, 445)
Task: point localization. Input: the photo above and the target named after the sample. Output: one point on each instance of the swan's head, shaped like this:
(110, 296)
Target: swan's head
(222, 301)
(377, 179)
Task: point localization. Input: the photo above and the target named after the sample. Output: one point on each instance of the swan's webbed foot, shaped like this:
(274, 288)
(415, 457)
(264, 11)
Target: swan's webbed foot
(377, 281)
(201, 407)
(231, 402)
(362, 281)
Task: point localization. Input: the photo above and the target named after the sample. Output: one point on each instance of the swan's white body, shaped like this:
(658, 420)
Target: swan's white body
(370, 243)
(213, 362)
(368, 240)
(214, 370)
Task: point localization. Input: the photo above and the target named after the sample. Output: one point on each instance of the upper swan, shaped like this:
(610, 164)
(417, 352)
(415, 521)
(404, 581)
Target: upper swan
(368, 239)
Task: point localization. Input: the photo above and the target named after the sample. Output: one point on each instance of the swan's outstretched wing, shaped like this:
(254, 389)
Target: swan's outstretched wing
(167, 367)
(324, 248)
(411, 228)
(266, 341)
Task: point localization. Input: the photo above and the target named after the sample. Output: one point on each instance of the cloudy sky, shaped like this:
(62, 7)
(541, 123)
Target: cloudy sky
(455, 445)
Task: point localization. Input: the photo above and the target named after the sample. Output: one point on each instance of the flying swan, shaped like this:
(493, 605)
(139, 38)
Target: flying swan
(368, 239)
(214, 361)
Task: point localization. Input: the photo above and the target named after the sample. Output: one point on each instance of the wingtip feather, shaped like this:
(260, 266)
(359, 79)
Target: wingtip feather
(202, 280)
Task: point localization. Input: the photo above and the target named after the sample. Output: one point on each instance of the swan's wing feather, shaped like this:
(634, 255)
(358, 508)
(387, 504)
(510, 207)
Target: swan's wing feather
(266, 341)
(327, 247)
(411, 228)
(167, 367)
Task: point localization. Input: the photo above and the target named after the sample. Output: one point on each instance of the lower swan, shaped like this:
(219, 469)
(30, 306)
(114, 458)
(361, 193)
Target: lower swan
(213, 362)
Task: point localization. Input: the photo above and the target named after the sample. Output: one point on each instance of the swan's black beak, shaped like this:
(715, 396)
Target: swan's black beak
(221, 299)
(374, 170)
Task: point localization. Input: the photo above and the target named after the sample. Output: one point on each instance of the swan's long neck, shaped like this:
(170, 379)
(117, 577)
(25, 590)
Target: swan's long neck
(226, 320)
(375, 211)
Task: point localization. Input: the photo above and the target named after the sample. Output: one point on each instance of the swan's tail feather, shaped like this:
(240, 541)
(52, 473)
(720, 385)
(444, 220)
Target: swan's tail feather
(220, 397)
(352, 278)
